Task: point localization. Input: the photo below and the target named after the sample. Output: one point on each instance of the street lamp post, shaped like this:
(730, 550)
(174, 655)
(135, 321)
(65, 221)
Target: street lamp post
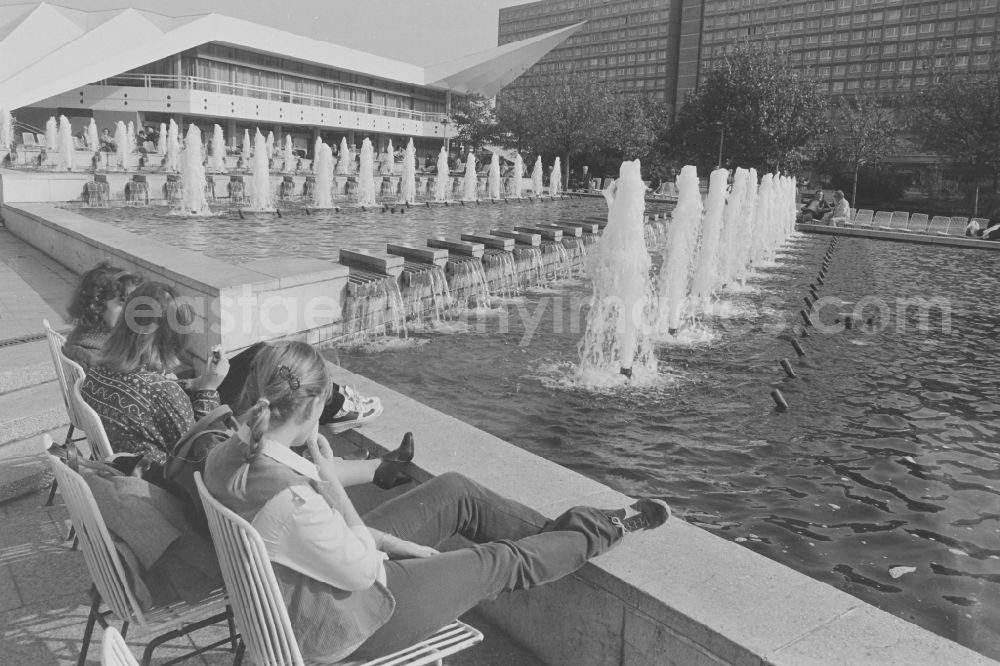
(722, 136)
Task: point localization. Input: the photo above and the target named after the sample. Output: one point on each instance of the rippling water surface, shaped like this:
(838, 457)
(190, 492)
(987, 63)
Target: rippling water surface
(322, 233)
(887, 458)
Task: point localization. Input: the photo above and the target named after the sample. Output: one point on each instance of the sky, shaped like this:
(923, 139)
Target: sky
(421, 32)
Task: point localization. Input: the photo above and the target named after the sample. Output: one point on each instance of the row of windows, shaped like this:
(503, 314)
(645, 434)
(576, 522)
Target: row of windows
(562, 6)
(846, 20)
(546, 68)
(871, 35)
(927, 8)
(889, 68)
(612, 11)
(884, 50)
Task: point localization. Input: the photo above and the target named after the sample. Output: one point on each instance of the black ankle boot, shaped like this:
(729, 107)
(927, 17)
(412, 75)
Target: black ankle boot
(392, 472)
(402, 454)
(652, 514)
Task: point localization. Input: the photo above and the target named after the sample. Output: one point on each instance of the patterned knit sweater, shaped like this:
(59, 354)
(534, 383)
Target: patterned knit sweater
(144, 412)
(85, 346)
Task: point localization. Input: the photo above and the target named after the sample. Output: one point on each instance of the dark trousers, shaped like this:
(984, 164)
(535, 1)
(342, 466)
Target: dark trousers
(516, 549)
(239, 369)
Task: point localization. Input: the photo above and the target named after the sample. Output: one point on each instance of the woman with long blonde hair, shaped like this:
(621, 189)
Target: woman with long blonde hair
(363, 588)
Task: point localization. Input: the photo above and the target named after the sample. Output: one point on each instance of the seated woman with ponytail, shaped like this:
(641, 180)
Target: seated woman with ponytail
(363, 588)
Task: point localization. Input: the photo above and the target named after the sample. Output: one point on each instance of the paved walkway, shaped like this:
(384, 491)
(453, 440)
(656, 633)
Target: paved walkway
(43, 584)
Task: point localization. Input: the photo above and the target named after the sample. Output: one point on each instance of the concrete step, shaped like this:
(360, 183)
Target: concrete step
(23, 365)
(30, 411)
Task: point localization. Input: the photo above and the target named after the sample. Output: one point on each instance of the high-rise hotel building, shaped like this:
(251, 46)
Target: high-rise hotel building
(626, 41)
(666, 47)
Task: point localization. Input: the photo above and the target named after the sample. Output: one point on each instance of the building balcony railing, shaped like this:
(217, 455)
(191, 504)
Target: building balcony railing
(261, 92)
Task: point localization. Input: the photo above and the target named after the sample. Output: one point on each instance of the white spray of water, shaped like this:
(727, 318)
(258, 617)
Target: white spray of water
(218, 149)
(705, 276)
(555, 180)
(388, 161)
(616, 342)
(443, 180)
(260, 198)
(324, 176)
(130, 133)
(51, 135)
(66, 147)
(173, 147)
(518, 176)
(494, 178)
(408, 183)
(246, 153)
(681, 239)
(7, 130)
(469, 180)
(343, 159)
(366, 175)
(121, 145)
(289, 155)
(745, 231)
(193, 200)
(536, 177)
(161, 145)
(731, 234)
(93, 138)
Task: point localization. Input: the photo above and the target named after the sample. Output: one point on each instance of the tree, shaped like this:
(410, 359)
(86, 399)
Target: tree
(959, 117)
(576, 117)
(476, 121)
(754, 110)
(862, 131)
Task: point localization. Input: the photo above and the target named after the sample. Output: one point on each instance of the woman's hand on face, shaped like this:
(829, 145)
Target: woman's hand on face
(215, 371)
(322, 456)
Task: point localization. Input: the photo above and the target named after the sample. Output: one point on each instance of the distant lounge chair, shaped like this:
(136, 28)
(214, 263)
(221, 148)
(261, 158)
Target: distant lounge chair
(864, 218)
(939, 225)
(882, 219)
(918, 222)
(899, 220)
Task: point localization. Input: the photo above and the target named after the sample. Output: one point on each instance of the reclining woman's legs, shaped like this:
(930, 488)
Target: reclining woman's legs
(516, 548)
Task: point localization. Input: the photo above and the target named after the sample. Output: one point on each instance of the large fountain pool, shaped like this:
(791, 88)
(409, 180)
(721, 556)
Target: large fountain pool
(887, 458)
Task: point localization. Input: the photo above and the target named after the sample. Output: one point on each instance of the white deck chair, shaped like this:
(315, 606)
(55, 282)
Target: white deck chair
(864, 217)
(114, 650)
(918, 222)
(260, 610)
(938, 225)
(899, 220)
(111, 582)
(64, 368)
(882, 219)
(90, 422)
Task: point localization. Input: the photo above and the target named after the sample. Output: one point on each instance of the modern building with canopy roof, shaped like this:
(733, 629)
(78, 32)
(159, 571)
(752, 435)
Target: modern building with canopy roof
(144, 67)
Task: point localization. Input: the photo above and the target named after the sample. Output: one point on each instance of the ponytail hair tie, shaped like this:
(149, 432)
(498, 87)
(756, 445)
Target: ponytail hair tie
(265, 402)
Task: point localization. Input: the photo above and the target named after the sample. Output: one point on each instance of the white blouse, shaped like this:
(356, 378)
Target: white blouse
(303, 532)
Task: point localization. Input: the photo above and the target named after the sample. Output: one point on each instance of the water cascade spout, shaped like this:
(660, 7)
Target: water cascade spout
(494, 178)
(324, 176)
(51, 135)
(705, 278)
(443, 181)
(343, 159)
(366, 175)
(218, 150)
(555, 180)
(130, 133)
(260, 198)
(747, 229)
(681, 240)
(469, 181)
(518, 176)
(173, 147)
(408, 185)
(66, 147)
(536, 177)
(246, 152)
(93, 138)
(616, 341)
(121, 145)
(193, 200)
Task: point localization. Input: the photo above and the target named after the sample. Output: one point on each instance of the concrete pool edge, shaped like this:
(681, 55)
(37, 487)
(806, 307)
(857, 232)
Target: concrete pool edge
(679, 595)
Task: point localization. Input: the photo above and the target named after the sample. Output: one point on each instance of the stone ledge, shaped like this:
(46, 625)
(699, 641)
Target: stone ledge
(677, 595)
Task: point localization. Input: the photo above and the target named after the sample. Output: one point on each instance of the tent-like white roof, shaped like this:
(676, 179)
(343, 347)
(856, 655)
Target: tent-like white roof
(46, 50)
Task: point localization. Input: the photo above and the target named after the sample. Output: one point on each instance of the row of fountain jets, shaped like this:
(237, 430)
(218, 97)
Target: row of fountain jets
(190, 160)
(711, 245)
